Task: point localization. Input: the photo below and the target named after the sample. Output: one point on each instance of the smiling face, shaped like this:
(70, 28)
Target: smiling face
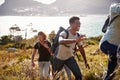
(76, 25)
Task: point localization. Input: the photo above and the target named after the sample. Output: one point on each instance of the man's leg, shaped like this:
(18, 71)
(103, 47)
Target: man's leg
(58, 65)
(112, 63)
(118, 55)
(108, 48)
(68, 72)
(111, 50)
(73, 66)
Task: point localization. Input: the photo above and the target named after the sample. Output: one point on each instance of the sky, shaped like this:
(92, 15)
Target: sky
(45, 1)
(45, 24)
(54, 7)
(38, 23)
(1, 2)
(4, 30)
(42, 1)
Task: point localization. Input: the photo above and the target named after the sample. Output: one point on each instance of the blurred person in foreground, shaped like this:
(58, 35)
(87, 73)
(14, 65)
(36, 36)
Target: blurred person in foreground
(111, 40)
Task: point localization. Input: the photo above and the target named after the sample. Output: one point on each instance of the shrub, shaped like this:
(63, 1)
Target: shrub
(7, 46)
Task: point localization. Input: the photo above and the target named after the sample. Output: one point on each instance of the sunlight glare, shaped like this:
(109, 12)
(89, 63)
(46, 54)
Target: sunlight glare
(2, 1)
(46, 1)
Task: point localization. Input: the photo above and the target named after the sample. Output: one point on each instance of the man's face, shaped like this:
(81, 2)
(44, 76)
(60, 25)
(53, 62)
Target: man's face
(76, 25)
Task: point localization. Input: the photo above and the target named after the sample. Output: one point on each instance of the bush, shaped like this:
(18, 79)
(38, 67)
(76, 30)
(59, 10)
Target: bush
(7, 46)
(97, 38)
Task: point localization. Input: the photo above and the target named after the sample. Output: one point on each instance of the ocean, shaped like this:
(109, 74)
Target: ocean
(91, 24)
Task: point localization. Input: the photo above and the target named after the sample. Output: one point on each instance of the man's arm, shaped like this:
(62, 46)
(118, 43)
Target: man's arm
(82, 51)
(66, 41)
(69, 41)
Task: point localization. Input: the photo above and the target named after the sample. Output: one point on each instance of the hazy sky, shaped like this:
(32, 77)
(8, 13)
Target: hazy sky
(1, 2)
(42, 1)
(8, 19)
(45, 1)
(54, 7)
(45, 24)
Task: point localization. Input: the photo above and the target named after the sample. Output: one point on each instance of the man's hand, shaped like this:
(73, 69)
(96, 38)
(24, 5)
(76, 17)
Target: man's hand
(33, 64)
(81, 38)
(87, 65)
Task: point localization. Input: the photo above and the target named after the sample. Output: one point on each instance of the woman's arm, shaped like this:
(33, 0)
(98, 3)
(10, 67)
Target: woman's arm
(33, 55)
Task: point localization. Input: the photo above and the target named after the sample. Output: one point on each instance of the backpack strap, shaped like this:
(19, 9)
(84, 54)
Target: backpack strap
(108, 23)
(67, 33)
(104, 28)
(78, 34)
(76, 44)
(113, 20)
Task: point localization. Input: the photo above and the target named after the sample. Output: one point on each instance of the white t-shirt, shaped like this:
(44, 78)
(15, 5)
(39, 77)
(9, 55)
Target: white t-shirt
(67, 52)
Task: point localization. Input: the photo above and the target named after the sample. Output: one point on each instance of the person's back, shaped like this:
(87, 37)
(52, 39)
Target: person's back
(113, 29)
(110, 41)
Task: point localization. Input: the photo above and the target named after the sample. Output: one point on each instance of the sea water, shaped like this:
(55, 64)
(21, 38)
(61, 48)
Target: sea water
(91, 25)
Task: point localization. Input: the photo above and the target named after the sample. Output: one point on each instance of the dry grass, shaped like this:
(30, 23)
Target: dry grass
(17, 66)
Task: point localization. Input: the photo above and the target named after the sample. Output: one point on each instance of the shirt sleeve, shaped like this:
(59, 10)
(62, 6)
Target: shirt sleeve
(36, 45)
(62, 35)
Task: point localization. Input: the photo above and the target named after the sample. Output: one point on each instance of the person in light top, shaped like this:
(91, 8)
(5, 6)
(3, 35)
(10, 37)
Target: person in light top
(65, 54)
(111, 39)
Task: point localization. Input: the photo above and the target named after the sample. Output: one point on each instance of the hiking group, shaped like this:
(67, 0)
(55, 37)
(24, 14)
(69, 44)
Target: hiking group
(68, 41)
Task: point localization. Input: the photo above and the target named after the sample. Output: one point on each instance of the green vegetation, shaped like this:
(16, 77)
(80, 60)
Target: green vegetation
(17, 65)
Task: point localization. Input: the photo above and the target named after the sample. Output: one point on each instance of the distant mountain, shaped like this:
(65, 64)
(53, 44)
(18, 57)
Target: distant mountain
(58, 8)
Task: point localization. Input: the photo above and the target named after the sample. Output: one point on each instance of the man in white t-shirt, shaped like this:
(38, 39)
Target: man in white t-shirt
(65, 54)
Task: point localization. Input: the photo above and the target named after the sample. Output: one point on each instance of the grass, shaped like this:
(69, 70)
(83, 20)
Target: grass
(17, 66)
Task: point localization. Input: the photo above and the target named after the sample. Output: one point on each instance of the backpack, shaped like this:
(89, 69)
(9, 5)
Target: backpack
(55, 43)
(108, 22)
(55, 40)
